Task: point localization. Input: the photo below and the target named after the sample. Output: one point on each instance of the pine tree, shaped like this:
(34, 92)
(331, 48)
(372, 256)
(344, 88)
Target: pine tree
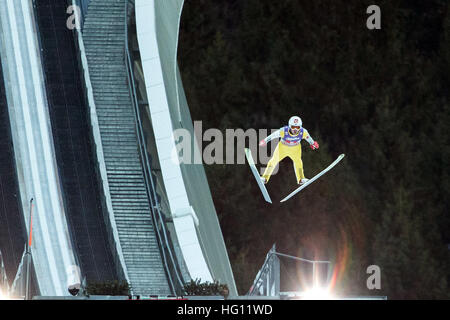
(408, 269)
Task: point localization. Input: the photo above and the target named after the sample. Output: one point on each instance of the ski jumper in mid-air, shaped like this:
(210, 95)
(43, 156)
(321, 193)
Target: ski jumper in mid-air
(289, 146)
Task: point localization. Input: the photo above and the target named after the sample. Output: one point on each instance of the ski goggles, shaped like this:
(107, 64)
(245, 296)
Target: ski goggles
(295, 127)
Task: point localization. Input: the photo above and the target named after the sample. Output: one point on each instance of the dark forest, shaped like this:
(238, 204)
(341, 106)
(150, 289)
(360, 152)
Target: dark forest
(379, 96)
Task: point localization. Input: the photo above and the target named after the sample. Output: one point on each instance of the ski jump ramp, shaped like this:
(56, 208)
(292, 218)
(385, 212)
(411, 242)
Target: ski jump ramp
(191, 206)
(37, 171)
(189, 197)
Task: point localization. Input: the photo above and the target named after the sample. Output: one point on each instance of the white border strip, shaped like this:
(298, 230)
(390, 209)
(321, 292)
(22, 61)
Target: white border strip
(165, 143)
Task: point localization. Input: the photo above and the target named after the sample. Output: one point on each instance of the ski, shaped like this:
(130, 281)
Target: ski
(251, 162)
(317, 176)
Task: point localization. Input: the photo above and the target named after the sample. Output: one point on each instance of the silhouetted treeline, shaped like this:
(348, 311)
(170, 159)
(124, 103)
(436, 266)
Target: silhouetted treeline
(381, 97)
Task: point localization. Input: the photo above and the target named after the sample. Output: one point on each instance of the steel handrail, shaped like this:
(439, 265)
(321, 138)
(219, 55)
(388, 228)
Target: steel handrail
(262, 272)
(147, 167)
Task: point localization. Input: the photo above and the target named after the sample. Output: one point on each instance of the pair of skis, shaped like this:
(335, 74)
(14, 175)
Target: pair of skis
(261, 185)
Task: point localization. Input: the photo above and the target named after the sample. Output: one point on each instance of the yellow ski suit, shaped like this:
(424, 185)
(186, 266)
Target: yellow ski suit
(288, 146)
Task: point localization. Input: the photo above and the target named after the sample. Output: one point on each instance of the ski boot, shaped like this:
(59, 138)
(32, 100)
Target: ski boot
(303, 181)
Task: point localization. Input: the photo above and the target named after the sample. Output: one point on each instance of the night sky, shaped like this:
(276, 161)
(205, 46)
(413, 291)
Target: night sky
(379, 96)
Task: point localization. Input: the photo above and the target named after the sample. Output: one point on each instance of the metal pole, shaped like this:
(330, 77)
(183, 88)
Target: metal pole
(314, 274)
(28, 253)
(299, 259)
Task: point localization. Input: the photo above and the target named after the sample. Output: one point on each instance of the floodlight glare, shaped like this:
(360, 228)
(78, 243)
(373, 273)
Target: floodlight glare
(317, 293)
(3, 296)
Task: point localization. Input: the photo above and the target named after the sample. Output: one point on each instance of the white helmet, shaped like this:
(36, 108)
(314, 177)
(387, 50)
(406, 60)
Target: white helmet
(295, 121)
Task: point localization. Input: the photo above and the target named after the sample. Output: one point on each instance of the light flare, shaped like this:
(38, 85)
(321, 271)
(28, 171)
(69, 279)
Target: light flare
(317, 293)
(3, 296)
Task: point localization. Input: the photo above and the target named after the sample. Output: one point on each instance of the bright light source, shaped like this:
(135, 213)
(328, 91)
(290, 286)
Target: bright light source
(317, 293)
(3, 296)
